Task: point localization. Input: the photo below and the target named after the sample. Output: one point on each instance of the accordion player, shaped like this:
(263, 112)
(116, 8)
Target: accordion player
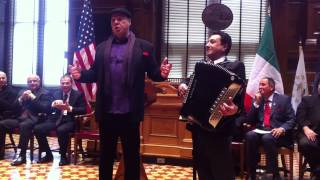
(204, 95)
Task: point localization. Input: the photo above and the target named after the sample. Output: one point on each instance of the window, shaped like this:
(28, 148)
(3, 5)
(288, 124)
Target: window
(184, 34)
(40, 40)
(55, 42)
(25, 39)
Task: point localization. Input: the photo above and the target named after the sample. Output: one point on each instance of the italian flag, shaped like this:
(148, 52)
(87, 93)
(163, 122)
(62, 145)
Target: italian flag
(265, 65)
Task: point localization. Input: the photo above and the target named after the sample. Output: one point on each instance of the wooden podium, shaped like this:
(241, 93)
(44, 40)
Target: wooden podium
(150, 97)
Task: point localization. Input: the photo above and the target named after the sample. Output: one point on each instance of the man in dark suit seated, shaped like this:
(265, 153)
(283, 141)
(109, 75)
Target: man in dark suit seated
(8, 107)
(273, 114)
(67, 103)
(33, 101)
(308, 118)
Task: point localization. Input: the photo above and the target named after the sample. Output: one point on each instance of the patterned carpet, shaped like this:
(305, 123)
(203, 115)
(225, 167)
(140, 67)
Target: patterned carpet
(87, 170)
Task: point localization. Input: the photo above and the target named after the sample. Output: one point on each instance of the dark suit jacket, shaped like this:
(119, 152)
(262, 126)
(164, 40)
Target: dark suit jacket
(282, 113)
(142, 61)
(308, 113)
(8, 104)
(41, 104)
(75, 100)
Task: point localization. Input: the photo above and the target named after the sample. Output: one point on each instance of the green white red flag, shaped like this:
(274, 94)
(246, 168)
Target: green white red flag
(265, 65)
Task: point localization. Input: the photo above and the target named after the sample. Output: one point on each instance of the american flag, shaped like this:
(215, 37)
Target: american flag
(86, 50)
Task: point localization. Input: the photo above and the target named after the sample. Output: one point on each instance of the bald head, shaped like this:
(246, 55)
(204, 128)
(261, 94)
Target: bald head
(3, 79)
(33, 82)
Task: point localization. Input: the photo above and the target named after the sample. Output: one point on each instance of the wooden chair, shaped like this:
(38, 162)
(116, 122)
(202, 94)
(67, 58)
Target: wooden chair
(14, 146)
(283, 151)
(303, 166)
(86, 128)
(240, 147)
(238, 144)
(11, 144)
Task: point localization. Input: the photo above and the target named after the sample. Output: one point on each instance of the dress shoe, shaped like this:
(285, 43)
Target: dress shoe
(18, 161)
(64, 161)
(46, 159)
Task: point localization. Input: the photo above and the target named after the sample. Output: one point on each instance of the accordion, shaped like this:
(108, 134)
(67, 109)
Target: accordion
(210, 86)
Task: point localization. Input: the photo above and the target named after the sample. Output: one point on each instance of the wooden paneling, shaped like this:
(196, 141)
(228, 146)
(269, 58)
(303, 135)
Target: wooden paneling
(313, 20)
(163, 133)
(279, 14)
(295, 20)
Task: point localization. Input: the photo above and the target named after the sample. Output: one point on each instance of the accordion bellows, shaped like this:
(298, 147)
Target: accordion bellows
(209, 87)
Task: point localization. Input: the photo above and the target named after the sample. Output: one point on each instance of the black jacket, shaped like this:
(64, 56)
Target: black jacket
(8, 104)
(282, 114)
(77, 102)
(308, 113)
(41, 104)
(141, 62)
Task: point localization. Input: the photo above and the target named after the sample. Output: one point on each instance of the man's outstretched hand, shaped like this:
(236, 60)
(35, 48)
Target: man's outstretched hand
(75, 70)
(165, 68)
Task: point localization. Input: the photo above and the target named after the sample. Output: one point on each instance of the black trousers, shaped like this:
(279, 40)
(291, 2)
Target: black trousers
(212, 155)
(25, 128)
(310, 150)
(270, 145)
(63, 130)
(112, 127)
(41, 131)
(2, 139)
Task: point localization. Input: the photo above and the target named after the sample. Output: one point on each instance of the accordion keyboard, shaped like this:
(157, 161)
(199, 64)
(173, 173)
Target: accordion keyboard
(216, 115)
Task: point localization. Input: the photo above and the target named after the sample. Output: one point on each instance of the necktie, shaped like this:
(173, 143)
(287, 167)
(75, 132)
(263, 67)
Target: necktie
(59, 120)
(266, 115)
(65, 98)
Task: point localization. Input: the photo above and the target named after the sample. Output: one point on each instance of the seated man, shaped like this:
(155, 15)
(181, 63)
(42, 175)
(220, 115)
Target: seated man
(8, 106)
(67, 103)
(33, 101)
(308, 119)
(273, 113)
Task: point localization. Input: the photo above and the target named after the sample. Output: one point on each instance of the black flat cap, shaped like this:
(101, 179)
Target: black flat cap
(122, 11)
